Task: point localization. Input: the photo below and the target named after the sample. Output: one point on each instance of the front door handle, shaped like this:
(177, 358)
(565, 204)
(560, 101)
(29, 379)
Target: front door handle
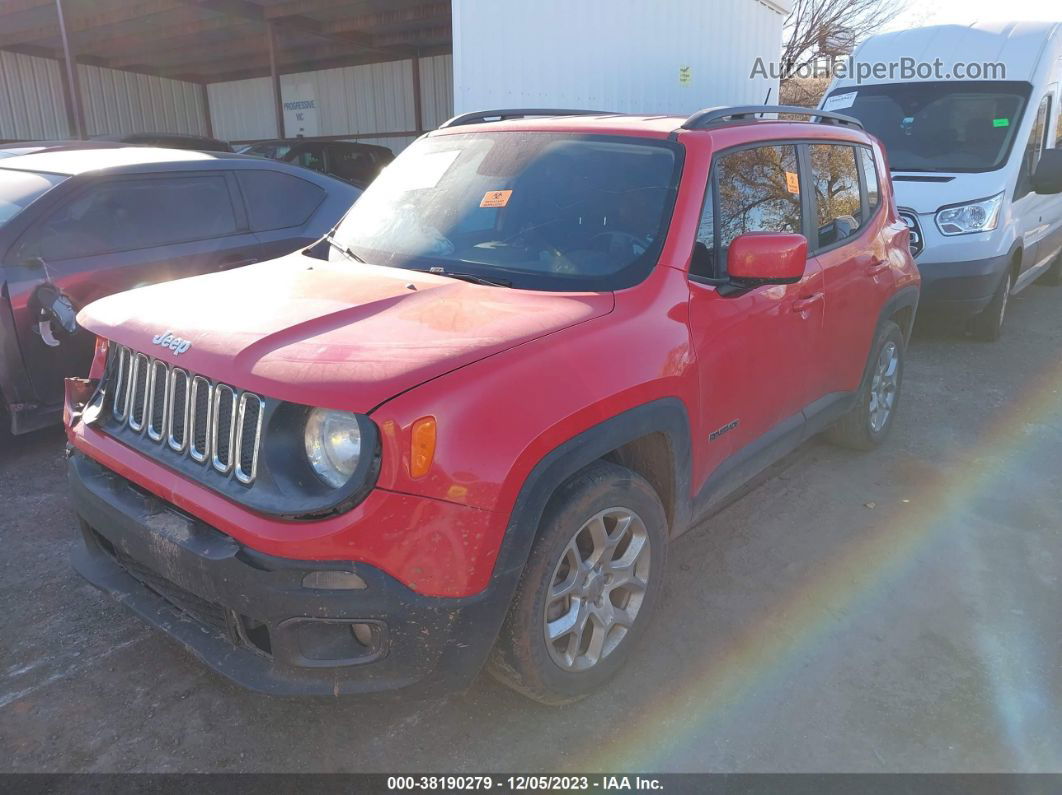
(804, 304)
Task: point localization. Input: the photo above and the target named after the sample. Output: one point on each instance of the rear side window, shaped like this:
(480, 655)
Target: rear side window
(278, 201)
(870, 176)
(835, 177)
(751, 190)
(130, 214)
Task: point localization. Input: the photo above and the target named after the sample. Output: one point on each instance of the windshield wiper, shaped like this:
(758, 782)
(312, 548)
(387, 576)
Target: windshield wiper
(471, 277)
(343, 249)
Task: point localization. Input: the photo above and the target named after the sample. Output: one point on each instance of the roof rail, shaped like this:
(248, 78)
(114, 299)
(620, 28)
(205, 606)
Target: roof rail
(515, 113)
(721, 115)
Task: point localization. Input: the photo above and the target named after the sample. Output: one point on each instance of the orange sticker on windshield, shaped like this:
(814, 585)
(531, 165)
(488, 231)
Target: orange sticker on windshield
(496, 198)
(792, 182)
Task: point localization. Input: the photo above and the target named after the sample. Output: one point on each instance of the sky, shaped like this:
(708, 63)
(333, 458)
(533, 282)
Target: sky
(963, 12)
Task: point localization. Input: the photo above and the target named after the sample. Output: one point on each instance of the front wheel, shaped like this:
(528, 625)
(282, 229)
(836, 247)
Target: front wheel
(869, 421)
(590, 584)
(988, 326)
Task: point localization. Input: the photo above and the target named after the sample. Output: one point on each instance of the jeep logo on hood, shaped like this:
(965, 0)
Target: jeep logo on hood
(175, 344)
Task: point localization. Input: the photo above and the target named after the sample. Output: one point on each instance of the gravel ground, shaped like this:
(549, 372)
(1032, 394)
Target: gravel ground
(896, 611)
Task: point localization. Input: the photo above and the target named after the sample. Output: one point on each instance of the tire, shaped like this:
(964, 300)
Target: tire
(988, 325)
(1053, 276)
(871, 419)
(561, 560)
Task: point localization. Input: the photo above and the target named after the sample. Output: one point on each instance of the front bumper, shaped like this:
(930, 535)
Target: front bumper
(249, 616)
(960, 289)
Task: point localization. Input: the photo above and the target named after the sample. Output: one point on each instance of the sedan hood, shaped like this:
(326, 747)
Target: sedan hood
(331, 334)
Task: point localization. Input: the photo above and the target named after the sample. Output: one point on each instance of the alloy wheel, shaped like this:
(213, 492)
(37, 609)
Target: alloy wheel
(884, 385)
(597, 589)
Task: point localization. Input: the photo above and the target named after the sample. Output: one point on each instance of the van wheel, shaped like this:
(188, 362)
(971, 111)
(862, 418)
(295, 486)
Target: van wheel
(988, 325)
(869, 422)
(589, 588)
(1053, 275)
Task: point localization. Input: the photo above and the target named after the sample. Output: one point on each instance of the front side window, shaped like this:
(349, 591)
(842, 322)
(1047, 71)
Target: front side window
(835, 175)
(1037, 141)
(130, 214)
(941, 126)
(752, 190)
(552, 211)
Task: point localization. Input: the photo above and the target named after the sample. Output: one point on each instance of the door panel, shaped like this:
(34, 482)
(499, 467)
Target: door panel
(756, 350)
(1032, 211)
(853, 256)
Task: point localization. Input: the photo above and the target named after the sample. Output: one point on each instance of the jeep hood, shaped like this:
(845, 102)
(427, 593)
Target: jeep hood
(338, 335)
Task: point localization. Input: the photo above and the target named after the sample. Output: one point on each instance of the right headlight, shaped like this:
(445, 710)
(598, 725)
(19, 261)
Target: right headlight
(333, 442)
(963, 219)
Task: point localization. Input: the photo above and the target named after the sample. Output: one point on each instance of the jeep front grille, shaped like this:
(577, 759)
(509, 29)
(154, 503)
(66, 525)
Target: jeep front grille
(212, 423)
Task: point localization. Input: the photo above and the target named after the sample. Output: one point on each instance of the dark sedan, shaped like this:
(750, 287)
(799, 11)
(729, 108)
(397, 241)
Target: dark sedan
(76, 225)
(352, 162)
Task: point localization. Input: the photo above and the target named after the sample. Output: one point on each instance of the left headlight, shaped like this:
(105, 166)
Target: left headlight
(333, 443)
(978, 216)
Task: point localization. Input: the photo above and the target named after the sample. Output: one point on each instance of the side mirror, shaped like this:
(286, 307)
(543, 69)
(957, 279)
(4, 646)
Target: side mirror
(1047, 178)
(53, 307)
(767, 258)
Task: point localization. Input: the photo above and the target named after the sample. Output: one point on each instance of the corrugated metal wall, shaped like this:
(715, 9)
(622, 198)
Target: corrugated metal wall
(32, 106)
(636, 56)
(122, 102)
(31, 98)
(351, 101)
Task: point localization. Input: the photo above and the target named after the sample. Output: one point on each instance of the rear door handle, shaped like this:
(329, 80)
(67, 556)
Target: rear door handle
(877, 266)
(804, 304)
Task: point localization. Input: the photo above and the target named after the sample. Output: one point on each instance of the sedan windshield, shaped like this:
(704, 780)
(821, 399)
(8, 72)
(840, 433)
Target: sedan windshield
(945, 126)
(19, 188)
(535, 210)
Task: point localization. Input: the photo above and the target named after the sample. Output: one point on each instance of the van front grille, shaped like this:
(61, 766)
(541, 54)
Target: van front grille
(212, 423)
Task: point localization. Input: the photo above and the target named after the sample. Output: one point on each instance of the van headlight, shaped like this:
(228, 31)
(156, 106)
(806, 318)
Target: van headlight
(333, 443)
(978, 216)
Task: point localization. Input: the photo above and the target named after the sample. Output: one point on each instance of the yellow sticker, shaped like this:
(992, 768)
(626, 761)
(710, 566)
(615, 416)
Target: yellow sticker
(792, 182)
(496, 198)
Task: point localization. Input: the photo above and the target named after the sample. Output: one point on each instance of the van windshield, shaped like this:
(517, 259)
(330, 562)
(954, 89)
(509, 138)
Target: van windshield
(939, 126)
(536, 210)
(19, 188)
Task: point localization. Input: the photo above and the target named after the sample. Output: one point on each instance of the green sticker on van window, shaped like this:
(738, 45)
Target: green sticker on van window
(1000, 122)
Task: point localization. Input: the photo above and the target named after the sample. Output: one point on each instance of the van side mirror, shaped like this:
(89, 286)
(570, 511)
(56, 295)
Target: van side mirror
(1047, 178)
(756, 258)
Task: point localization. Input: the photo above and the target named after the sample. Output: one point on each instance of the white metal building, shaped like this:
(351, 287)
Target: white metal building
(360, 69)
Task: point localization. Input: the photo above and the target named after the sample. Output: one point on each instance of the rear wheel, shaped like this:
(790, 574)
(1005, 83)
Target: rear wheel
(988, 325)
(869, 421)
(590, 584)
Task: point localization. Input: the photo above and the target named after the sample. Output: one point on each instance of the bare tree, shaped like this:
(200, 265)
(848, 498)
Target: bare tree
(829, 28)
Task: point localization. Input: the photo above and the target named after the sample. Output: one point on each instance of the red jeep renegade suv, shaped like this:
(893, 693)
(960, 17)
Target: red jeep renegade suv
(463, 429)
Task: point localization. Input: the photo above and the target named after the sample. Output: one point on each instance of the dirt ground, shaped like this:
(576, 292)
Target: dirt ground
(892, 611)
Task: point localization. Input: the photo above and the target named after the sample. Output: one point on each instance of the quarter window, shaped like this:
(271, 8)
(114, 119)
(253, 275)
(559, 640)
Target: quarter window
(752, 190)
(278, 201)
(870, 176)
(131, 214)
(835, 176)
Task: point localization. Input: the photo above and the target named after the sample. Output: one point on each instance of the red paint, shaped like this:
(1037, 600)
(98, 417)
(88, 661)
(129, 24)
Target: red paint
(510, 375)
(768, 257)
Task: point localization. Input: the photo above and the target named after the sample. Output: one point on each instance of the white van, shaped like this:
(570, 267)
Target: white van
(974, 161)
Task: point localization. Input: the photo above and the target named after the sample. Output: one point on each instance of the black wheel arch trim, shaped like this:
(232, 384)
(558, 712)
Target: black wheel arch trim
(904, 298)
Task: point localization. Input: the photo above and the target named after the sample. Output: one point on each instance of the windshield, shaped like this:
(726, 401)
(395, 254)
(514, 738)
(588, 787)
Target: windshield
(19, 188)
(540, 210)
(946, 126)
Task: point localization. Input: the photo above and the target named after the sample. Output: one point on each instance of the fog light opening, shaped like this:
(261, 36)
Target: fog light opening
(364, 634)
